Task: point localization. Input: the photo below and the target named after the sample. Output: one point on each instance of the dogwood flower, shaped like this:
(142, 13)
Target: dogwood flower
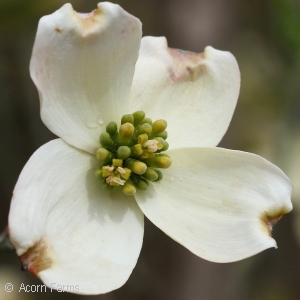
(93, 71)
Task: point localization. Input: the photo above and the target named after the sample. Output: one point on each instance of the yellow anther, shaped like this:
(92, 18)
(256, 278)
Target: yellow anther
(147, 154)
(126, 174)
(136, 149)
(161, 143)
(159, 146)
(117, 162)
(106, 171)
(142, 138)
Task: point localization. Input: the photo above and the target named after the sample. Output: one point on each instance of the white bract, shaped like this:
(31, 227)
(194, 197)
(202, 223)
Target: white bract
(90, 69)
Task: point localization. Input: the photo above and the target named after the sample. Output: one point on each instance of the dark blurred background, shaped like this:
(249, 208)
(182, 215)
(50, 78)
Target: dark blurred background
(264, 35)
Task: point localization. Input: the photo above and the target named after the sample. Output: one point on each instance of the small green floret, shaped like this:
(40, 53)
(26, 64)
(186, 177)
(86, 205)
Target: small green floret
(163, 162)
(125, 134)
(160, 176)
(106, 141)
(150, 174)
(127, 119)
(129, 188)
(138, 117)
(145, 128)
(123, 152)
(163, 134)
(141, 184)
(104, 155)
(112, 128)
(158, 127)
(136, 166)
(147, 120)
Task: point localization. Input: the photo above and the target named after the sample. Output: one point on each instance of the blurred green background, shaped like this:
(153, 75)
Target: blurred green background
(264, 35)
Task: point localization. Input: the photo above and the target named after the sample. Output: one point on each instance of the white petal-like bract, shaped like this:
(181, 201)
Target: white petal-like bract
(195, 93)
(220, 204)
(83, 65)
(68, 230)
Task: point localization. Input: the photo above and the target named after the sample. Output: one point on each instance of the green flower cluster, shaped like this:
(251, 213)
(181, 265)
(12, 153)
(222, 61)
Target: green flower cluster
(131, 155)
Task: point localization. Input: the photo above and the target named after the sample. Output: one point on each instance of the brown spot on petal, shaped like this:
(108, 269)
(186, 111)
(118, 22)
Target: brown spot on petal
(58, 30)
(187, 66)
(90, 21)
(269, 219)
(36, 258)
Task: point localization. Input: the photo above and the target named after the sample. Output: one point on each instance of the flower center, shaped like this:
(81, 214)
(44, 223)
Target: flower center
(131, 156)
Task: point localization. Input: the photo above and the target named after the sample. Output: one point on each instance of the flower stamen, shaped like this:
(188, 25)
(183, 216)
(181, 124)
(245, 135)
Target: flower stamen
(152, 146)
(121, 170)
